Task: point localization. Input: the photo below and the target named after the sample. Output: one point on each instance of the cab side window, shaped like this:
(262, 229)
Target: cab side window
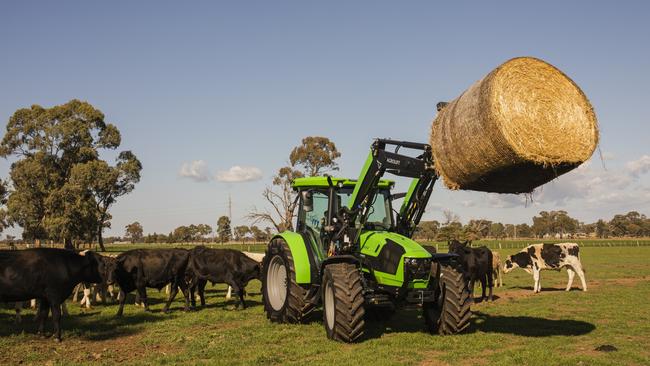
(314, 218)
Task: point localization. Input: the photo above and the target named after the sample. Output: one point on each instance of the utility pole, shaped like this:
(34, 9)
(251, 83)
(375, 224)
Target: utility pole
(230, 207)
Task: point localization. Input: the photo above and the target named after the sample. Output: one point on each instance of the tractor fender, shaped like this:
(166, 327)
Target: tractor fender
(299, 253)
(338, 259)
(444, 257)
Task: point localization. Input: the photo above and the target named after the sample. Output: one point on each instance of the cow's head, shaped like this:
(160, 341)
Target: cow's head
(457, 246)
(257, 272)
(521, 260)
(98, 268)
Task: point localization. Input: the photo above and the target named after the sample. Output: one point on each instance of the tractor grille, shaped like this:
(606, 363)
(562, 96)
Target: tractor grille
(417, 268)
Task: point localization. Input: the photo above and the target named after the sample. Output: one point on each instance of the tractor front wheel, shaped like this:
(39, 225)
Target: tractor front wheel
(451, 313)
(343, 311)
(284, 299)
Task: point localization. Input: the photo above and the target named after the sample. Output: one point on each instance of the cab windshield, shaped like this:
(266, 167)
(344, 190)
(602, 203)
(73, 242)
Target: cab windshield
(380, 216)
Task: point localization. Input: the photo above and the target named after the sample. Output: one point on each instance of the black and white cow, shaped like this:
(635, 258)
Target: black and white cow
(537, 257)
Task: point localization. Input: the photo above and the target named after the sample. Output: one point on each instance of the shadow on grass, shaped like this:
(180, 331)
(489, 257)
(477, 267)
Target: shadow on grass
(528, 326)
(410, 320)
(544, 289)
(95, 328)
(226, 304)
(406, 320)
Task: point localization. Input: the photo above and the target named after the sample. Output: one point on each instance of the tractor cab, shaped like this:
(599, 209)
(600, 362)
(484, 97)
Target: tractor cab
(314, 207)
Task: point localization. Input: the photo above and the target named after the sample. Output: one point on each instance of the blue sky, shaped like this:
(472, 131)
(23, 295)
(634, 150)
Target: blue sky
(240, 83)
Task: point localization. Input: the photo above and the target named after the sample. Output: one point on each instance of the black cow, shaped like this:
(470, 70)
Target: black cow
(155, 268)
(477, 263)
(49, 275)
(220, 266)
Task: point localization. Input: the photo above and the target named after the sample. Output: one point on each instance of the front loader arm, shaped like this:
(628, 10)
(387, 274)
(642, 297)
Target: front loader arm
(379, 162)
(415, 202)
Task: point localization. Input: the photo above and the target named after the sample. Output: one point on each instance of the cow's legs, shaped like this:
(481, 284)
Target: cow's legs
(483, 286)
(122, 298)
(172, 295)
(75, 295)
(142, 292)
(186, 293)
(571, 274)
(578, 268)
(471, 289)
(56, 320)
(43, 311)
(18, 306)
(239, 290)
(537, 285)
(490, 281)
(202, 291)
(499, 275)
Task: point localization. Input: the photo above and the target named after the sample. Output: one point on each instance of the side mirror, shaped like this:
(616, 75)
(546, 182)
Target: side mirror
(307, 201)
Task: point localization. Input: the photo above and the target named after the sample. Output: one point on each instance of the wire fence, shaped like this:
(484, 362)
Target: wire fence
(520, 244)
(261, 246)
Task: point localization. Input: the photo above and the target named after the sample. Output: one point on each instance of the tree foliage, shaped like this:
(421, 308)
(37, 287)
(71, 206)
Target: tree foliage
(134, 232)
(4, 192)
(224, 231)
(314, 156)
(241, 232)
(62, 190)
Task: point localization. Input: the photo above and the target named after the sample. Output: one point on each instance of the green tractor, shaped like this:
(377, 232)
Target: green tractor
(352, 253)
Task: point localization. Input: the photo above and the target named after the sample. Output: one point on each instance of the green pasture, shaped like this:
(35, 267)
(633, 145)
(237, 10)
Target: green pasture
(518, 328)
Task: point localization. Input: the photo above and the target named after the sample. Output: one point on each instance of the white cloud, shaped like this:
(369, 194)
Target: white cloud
(238, 174)
(500, 200)
(468, 203)
(196, 170)
(639, 167)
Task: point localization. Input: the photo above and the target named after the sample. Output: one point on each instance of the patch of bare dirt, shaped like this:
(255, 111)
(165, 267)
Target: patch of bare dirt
(591, 285)
(119, 349)
(431, 358)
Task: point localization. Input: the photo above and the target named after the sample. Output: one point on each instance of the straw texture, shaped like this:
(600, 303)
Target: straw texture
(522, 125)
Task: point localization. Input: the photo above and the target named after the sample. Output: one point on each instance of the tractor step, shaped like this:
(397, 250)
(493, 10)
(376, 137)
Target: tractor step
(420, 296)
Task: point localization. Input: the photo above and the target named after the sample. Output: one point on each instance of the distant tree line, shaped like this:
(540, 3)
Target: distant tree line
(200, 233)
(548, 224)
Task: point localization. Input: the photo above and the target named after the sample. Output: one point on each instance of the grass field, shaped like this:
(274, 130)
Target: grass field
(519, 328)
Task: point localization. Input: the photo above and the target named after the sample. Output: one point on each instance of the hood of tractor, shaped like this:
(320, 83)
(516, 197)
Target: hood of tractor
(395, 260)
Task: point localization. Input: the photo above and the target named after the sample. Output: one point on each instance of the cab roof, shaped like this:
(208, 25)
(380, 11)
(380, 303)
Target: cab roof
(322, 182)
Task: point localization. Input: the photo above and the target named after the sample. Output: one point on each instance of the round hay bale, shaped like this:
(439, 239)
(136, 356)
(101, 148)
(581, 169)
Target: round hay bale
(519, 127)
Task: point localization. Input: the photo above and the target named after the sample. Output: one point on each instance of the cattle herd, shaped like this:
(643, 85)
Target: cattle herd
(51, 275)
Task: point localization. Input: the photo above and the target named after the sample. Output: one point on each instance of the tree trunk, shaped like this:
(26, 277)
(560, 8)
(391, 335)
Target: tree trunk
(100, 239)
(67, 244)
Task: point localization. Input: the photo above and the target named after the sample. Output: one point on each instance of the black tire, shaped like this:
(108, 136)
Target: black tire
(452, 311)
(291, 305)
(343, 310)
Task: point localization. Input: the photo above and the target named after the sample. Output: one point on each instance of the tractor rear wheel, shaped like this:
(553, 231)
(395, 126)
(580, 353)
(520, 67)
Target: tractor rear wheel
(284, 299)
(343, 311)
(451, 313)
